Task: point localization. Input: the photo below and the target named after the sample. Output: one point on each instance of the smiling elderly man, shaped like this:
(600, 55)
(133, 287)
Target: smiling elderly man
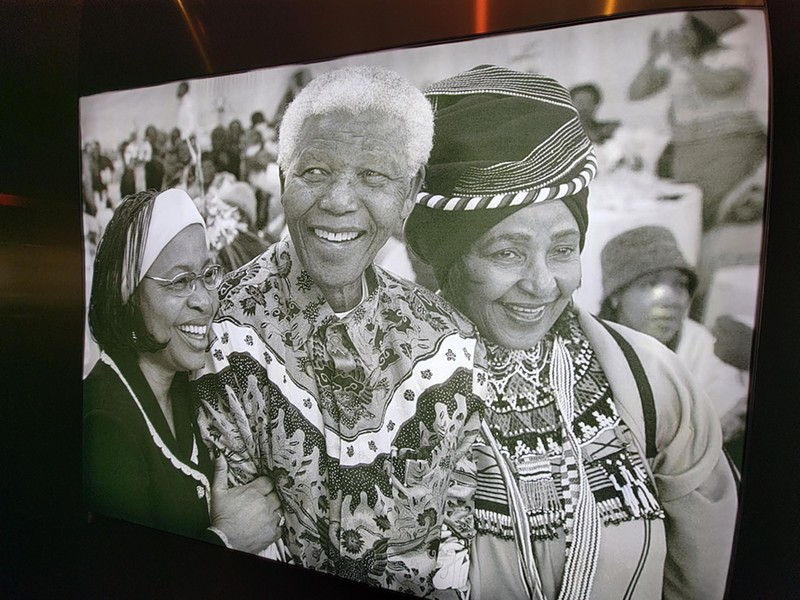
(352, 389)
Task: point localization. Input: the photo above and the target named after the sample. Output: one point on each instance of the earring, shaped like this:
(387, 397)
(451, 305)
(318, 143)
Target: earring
(133, 336)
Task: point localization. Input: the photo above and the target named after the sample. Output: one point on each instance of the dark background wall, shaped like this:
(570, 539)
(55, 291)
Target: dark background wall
(52, 51)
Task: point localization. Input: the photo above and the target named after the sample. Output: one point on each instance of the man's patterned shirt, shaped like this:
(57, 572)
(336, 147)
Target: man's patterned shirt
(364, 422)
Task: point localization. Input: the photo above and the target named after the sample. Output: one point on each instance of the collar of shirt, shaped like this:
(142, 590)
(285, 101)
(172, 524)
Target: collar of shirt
(299, 308)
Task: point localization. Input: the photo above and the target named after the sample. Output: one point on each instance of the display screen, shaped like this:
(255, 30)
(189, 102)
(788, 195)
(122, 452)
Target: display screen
(676, 108)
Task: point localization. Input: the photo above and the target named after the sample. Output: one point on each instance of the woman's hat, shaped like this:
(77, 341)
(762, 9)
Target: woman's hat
(639, 252)
(503, 139)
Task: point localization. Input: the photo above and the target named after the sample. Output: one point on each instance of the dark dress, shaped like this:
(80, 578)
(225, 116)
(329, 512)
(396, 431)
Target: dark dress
(143, 473)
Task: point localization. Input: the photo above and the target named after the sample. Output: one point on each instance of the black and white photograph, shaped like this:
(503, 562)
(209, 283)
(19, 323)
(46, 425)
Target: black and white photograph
(466, 320)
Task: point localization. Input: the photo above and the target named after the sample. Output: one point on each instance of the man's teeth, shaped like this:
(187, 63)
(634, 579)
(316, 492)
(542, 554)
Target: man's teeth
(199, 330)
(344, 236)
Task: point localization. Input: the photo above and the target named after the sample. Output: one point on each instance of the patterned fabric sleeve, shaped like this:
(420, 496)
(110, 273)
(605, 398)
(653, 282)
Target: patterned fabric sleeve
(231, 402)
(458, 530)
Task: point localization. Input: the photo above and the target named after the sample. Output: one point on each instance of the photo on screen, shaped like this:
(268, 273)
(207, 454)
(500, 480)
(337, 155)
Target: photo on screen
(524, 387)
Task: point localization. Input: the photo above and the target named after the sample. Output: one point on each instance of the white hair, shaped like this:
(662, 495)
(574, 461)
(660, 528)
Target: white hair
(355, 90)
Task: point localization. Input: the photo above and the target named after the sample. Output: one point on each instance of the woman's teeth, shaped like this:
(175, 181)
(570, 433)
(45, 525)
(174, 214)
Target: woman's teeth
(194, 330)
(525, 312)
(330, 236)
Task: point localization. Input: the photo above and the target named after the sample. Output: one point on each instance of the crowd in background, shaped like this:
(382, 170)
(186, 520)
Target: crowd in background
(230, 173)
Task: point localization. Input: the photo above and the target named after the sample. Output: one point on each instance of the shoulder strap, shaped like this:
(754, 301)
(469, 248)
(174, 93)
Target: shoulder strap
(645, 391)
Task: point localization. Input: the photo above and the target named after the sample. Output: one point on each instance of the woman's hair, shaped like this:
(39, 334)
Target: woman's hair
(117, 323)
(354, 90)
(257, 118)
(219, 137)
(451, 282)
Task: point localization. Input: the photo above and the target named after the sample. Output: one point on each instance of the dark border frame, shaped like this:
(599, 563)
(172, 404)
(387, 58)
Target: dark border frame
(48, 550)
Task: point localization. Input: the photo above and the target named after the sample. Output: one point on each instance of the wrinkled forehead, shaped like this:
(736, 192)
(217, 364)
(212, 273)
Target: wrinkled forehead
(378, 134)
(367, 123)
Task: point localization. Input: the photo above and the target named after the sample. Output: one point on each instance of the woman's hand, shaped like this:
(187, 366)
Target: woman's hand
(249, 515)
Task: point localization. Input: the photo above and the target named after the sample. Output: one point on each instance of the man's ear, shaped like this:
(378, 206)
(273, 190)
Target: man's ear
(414, 188)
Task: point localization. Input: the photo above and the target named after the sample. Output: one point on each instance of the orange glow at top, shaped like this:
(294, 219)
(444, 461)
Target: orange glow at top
(481, 16)
(610, 7)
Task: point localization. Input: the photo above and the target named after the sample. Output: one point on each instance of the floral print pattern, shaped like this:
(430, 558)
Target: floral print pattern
(364, 423)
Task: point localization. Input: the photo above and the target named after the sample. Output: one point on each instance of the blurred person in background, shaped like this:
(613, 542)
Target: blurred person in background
(213, 178)
(262, 173)
(138, 152)
(266, 134)
(245, 243)
(235, 132)
(225, 153)
(297, 81)
(154, 168)
(587, 99)
(177, 159)
(188, 125)
(615, 146)
(716, 138)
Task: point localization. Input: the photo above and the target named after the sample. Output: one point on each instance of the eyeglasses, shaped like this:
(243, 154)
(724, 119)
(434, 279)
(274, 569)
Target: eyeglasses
(183, 284)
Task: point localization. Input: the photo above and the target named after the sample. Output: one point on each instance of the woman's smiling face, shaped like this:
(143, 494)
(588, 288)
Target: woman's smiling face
(183, 323)
(518, 277)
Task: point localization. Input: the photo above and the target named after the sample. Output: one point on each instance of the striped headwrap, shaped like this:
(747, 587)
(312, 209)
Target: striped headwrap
(503, 140)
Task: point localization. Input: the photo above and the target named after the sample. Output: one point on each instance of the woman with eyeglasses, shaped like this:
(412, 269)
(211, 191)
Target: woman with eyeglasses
(154, 293)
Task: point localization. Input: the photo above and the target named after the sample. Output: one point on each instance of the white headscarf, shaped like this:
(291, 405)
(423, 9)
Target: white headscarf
(173, 211)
